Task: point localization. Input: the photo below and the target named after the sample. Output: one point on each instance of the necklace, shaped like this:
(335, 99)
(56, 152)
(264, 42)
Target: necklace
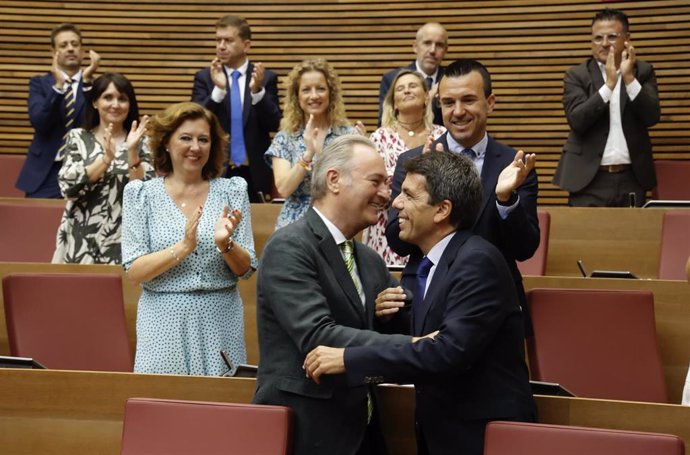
(411, 128)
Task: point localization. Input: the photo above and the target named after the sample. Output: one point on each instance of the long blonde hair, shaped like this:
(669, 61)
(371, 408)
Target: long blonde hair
(390, 114)
(293, 115)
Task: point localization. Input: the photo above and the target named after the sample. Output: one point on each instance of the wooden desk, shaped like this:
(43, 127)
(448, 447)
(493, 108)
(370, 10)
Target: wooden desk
(68, 412)
(605, 239)
(397, 413)
(672, 312)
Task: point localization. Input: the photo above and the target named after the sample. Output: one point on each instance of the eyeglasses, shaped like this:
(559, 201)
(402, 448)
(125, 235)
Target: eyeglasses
(611, 38)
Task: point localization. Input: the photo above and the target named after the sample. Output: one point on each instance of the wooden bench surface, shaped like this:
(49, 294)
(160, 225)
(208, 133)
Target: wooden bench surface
(63, 412)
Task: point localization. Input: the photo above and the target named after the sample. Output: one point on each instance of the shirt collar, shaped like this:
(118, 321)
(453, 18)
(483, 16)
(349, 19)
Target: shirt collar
(419, 70)
(75, 78)
(479, 148)
(437, 250)
(338, 236)
(242, 69)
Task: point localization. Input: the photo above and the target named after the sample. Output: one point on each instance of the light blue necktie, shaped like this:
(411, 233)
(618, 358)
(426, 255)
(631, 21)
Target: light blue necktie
(238, 151)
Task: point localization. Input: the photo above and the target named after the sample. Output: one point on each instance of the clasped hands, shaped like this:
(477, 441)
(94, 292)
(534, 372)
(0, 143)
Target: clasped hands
(328, 360)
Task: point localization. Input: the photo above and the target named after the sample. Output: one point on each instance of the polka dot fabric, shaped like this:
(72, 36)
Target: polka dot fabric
(189, 313)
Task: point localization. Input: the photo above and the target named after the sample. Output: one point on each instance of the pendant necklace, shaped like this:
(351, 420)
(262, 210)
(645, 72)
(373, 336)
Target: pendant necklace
(410, 127)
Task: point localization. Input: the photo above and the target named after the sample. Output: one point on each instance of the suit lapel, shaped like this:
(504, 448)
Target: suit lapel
(79, 100)
(595, 74)
(247, 104)
(434, 294)
(368, 285)
(491, 169)
(333, 256)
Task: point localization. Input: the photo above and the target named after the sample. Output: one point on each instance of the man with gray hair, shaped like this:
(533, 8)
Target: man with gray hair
(473, 371)
(316, 286)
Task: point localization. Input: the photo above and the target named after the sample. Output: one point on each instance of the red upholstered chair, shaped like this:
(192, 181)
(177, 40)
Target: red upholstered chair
(596, 343)
(170, 427)
(517, 438)
(28, 231)
(10, 166)
(68, 321)
(673, 180)
(675, 244)
(536, 265)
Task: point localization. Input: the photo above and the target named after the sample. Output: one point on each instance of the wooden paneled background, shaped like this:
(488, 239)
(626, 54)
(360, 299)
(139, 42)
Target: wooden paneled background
(526, 44)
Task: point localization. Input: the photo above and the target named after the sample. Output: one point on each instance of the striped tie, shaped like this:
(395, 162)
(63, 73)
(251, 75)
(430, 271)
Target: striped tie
(348, 249)
(70, 109)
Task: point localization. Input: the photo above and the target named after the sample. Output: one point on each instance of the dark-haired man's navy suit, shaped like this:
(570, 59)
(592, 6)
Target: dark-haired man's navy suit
(38, 177)
(474, 370)
(516, 237)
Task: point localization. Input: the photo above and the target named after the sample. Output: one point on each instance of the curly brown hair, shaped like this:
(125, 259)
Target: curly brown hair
(161, 127)
(293, 115)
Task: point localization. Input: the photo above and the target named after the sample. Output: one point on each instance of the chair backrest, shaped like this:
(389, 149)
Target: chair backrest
(536, 265)
(673, 181)
(596, 343)
(28, 231)
(675, 244)
(172, 427)
(68, 321)
(10, 166)
(517, 438)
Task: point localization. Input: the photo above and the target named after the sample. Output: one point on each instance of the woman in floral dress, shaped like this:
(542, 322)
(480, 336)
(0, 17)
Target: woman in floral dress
(313, 115)
(406, 123)
(99, 160)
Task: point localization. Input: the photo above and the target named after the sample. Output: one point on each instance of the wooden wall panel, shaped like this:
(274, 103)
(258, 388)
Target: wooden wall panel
(527, 45)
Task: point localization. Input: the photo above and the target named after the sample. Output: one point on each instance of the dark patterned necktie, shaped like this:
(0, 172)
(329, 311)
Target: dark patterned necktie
(70, 111)
(418, 301)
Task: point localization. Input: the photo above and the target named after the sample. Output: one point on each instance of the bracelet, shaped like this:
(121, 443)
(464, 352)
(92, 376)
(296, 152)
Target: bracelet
(135, 165)
(229, 248)
(175, 256)
(306, 165)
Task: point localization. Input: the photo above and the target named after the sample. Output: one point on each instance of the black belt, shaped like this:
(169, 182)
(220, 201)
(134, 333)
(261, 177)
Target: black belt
(614, 168)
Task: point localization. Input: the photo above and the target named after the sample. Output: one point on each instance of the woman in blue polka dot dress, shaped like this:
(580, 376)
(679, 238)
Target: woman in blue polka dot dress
(187, 238)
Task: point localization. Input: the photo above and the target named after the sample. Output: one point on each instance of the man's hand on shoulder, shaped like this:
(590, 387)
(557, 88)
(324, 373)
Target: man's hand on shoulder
(389, 302)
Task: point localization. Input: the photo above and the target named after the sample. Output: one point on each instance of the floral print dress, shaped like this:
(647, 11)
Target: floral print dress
(290, 147)
(89, 232)
(390, 146)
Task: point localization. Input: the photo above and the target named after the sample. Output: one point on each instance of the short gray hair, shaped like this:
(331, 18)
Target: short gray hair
(336, 155)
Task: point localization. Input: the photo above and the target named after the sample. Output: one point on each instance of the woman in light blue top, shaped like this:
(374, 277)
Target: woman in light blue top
(187, 238)
(313, 115)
